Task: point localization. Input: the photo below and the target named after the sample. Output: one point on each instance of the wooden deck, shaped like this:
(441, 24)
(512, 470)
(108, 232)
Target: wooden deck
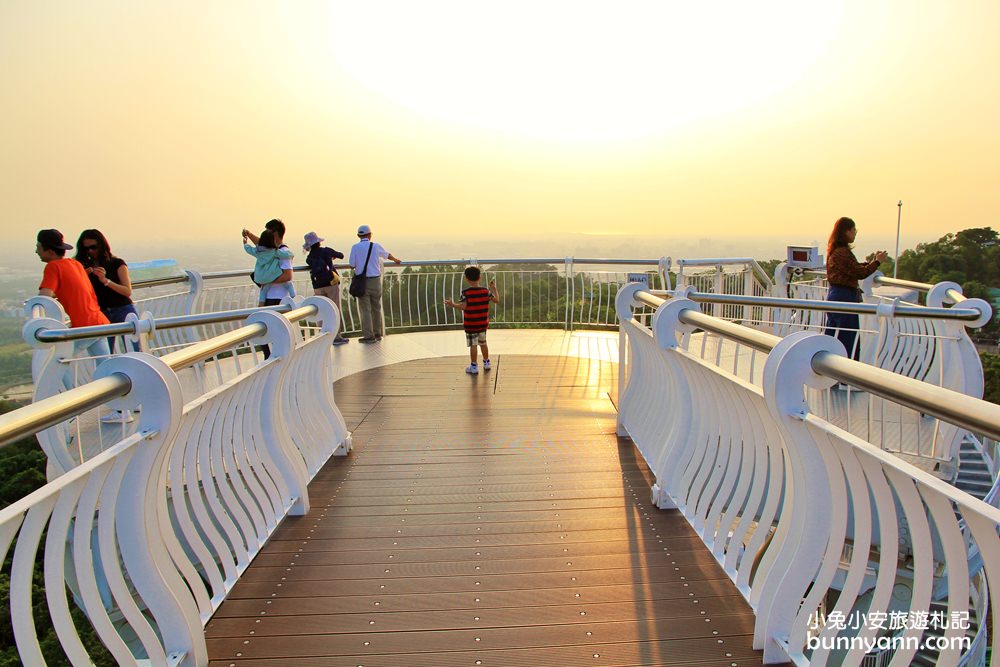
(483, 520)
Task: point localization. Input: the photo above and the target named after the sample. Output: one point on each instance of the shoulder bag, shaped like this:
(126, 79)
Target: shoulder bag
(358, 285)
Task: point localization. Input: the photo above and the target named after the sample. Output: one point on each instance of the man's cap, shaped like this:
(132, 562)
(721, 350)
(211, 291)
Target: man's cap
(363, 230)
(53, 240)
(312, 238)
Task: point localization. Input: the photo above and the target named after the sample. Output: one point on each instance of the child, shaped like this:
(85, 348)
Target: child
(268, 268)
(475, 307)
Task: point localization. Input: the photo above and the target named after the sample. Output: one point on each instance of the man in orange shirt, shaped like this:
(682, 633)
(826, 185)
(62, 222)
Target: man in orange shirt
(67, 280)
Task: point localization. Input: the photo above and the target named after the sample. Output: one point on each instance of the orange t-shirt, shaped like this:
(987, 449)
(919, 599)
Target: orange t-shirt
(69, 281)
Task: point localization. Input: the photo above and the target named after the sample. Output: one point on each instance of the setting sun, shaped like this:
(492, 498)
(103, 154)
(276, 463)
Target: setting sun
(580, 71)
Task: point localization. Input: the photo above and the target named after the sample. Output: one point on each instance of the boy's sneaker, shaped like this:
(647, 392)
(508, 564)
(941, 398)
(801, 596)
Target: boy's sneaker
(118, 417)
(486, 365)
(472, 369)
(340, 340)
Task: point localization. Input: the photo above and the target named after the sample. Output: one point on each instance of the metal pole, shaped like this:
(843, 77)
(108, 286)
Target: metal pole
(895, 259)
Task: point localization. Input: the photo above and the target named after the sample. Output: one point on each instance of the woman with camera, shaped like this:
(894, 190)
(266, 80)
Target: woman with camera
(113, 287)
(109, 276)
(843, 271)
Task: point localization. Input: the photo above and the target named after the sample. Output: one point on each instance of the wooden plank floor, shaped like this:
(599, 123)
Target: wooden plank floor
(490, 520)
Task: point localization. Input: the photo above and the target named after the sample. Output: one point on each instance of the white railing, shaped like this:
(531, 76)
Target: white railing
(727, 276)
(56, 368)
(776, 492)
(938, 351)
(150, 535)
(891, 427)
(534, 292)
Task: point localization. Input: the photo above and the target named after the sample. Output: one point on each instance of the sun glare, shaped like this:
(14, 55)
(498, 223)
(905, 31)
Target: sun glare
(577, 70)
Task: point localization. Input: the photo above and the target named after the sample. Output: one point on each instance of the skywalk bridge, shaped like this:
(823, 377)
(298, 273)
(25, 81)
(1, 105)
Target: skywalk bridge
(376, 506)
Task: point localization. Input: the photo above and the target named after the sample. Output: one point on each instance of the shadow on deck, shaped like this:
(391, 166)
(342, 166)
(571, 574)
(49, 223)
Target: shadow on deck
(483, 520)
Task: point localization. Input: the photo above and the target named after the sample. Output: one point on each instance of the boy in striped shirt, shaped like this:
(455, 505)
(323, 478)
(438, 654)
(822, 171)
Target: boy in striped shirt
(475, 307)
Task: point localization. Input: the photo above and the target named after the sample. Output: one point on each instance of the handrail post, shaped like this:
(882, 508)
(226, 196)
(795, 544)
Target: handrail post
(280, 337)
(50, 308)
(335, 432)
(717, 309)
(799, 544)
(570, 295)
(624, 303)
(868, 283)
(196, 286)
(780, 287)
(51, 376)
(145, 535)
(663, 266)
(748, 283)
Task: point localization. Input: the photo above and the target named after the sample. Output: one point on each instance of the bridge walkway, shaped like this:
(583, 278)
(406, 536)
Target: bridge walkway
(483, 520)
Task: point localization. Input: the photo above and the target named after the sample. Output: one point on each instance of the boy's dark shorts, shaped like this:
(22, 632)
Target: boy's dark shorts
(476, 338)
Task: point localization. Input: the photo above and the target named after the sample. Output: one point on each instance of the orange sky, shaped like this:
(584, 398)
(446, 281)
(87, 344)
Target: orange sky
(188, 119)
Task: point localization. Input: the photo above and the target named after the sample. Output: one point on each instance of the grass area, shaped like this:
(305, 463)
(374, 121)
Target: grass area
(15, 355)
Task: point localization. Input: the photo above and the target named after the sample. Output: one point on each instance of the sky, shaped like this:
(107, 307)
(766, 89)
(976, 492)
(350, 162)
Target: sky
(645, 124)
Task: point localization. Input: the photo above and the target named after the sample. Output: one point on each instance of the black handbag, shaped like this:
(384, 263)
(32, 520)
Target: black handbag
(358, 282)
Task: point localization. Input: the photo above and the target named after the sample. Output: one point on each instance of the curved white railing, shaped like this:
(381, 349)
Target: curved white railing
(891, 427)
(549, 292)
(150, 535)
(936, 351)
(777, 493)
(733, 276)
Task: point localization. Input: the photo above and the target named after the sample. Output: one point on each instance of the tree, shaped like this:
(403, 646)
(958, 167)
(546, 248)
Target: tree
(970, 258)
(22, 470)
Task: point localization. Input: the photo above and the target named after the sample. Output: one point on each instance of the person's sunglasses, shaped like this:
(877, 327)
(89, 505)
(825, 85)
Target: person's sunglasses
(88, 248)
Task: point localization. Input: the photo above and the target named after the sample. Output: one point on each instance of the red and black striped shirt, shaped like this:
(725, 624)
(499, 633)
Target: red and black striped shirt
(476, 316)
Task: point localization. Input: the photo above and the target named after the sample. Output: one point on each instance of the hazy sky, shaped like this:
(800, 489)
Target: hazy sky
(182, 120)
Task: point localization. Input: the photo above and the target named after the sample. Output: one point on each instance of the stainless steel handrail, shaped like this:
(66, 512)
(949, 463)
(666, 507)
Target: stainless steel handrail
(125, 328)
(47, 412)
(899, 282)
(971, 314)
(972, 414)
(238, 273)
(883, 280)
(50, 411)
(758, 340)
(156, 282)
(717, 261)
(207, 349)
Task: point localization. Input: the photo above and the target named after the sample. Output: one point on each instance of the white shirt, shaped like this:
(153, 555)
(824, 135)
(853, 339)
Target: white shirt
(280, 290)
(358, 253)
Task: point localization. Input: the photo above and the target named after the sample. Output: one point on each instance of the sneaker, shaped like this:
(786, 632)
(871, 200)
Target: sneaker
(118, 417)
(486, 365)
(340, 341)
(472, 369)
(367, 341)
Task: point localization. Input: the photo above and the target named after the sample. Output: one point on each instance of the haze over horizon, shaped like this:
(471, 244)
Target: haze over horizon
(446, 121)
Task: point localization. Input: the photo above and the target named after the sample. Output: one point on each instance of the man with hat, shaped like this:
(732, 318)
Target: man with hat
(366, 259)
(324, 276)
(66, 280)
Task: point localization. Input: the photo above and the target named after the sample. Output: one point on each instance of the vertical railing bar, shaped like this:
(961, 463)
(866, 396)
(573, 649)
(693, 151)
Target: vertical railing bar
(409, 305)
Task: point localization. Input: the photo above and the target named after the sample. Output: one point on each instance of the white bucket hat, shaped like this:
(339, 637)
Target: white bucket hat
(312, 238)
